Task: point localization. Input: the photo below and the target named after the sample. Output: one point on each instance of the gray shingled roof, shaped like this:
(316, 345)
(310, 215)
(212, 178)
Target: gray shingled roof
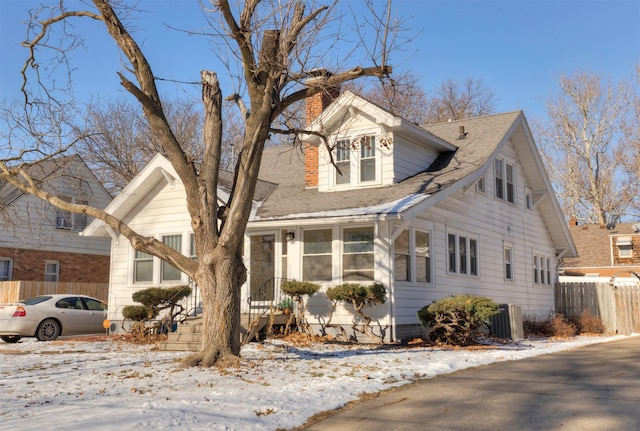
(39, 171)
(284, 166)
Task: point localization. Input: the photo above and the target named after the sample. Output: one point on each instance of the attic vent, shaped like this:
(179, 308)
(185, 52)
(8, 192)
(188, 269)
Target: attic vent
(463, 134)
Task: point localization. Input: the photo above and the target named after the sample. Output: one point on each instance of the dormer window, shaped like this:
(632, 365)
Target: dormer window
(343, 162)
(367, 158)
(355, 159)
(625, 249)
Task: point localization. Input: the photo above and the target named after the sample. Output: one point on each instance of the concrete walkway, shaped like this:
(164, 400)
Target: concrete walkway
(595, 387)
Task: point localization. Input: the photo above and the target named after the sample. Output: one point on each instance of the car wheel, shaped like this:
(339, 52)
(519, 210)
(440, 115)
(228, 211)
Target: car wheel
(11, 338)
(48, 330)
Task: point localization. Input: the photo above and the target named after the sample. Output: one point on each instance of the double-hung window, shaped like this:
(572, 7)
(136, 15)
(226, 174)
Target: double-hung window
(357, 254)
(317, 255)
(368, 159)
(402, 257)
(508, 261)
(169, 272)
(343, 162)
(412, 246)
(505, 181)
(142, 267)
(51, 270)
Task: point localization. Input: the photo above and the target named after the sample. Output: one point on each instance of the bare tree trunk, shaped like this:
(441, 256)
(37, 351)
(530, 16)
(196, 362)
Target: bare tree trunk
(220, 285)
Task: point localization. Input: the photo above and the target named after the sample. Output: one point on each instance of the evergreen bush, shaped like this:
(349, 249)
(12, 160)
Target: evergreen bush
(455, 319)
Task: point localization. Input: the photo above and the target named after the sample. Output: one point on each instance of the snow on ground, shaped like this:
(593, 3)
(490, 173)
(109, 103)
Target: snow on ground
(107, 385)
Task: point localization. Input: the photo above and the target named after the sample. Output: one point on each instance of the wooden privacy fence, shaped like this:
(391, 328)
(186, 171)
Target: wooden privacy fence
(617, 306)
(12, 291)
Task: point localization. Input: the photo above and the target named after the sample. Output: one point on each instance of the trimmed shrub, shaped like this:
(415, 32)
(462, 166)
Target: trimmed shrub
(299, 288)
(455, 319)
(359, 296)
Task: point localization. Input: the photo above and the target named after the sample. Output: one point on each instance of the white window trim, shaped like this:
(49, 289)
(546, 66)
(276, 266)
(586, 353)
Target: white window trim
(355, 161)
(481, 185)
(342, 253)
(156, 278)
(468, 237)
(413, 258)
(528, 200)
(504, 190)
(508, 246)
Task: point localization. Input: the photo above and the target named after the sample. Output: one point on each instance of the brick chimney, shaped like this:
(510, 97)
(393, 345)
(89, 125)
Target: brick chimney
(314, 107)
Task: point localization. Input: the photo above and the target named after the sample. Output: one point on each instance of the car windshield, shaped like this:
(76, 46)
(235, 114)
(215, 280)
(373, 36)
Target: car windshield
(35, 300)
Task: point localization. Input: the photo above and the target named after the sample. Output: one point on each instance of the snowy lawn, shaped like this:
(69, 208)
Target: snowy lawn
(112, 384)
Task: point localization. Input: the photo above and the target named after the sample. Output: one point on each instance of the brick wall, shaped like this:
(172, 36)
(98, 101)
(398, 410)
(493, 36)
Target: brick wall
(29, 265)
(314, 107)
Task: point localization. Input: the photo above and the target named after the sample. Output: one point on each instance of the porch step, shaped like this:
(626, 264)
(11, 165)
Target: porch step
(188, 336)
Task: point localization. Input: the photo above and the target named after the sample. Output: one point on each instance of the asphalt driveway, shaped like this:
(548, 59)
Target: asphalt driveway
(596, 387)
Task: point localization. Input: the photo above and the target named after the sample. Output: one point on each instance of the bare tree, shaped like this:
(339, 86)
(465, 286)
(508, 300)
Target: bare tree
(454, 100)
(123, 142)
(450, 100)
(277, 45)
(631, 133)
(583, 150)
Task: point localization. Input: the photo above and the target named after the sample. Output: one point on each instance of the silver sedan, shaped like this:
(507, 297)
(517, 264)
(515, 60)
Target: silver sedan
(47, 317)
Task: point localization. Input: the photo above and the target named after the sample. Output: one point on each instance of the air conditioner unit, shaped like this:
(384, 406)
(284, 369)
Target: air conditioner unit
(508, 323)
(63, 223)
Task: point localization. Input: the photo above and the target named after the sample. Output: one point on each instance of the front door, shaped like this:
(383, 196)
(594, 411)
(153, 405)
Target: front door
(262, 267)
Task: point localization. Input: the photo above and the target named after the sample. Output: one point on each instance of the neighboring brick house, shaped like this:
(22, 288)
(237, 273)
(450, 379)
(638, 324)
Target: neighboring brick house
(604, 251)
(39, 242)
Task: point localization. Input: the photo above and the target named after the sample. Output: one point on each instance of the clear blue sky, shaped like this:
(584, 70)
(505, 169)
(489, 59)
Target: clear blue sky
(517, 47)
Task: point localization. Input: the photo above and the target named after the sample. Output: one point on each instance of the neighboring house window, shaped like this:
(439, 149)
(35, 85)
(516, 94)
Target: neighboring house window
(505, 180)
(367, 159)
(357, 254)
(625, 249)
(343, 162)
(67, 219)
(51, 270)
(481, 185)
(463, 254)
(316, 255)
(80, 219)
(167, 271)
(6, 266)
(142, 267)
(402, 257)
(508, 261)
(63, 217)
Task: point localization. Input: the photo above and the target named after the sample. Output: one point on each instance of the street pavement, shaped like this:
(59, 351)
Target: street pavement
(591, 388)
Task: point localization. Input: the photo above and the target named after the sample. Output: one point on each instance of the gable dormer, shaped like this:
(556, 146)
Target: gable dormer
(368, 145)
